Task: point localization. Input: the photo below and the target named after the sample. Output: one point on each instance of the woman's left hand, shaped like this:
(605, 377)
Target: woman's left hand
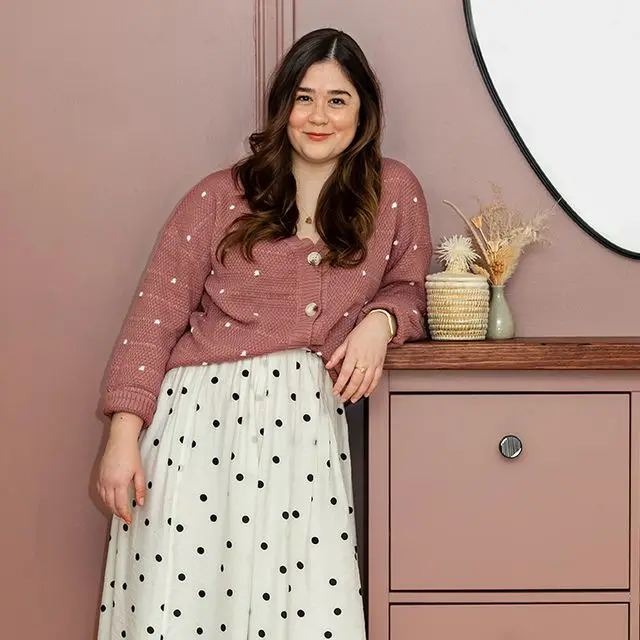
(362, 355)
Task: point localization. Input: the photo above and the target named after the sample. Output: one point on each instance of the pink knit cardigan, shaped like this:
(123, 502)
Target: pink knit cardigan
(193, 311)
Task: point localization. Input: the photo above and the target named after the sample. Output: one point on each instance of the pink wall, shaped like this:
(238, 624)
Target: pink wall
(442, 122)
(110, 111)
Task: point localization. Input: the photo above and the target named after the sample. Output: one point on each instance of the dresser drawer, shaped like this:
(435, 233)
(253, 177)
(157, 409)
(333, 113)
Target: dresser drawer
(510, 621)
(465, 517)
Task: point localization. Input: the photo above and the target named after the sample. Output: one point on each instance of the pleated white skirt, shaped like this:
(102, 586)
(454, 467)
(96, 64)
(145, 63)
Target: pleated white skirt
(247, 530)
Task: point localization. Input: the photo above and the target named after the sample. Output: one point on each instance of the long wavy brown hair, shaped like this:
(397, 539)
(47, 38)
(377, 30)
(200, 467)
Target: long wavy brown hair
(348, 203)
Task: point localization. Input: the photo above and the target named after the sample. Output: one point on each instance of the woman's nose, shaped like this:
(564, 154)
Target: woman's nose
(319, 114)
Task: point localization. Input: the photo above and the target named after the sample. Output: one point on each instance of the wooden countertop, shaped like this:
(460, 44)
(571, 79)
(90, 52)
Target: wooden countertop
(519, 354)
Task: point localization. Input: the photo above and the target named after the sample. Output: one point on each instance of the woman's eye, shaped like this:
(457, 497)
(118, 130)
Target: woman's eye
(337, 101)
(303, 98)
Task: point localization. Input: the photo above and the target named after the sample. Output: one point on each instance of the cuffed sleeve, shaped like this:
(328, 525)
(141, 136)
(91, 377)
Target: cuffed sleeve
(170, 291)
(402, 289)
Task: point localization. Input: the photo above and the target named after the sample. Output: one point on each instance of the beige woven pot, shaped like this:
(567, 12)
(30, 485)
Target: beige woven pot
(457, 306)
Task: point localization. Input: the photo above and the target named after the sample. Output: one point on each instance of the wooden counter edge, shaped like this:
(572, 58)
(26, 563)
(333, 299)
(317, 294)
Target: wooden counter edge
(524, 354)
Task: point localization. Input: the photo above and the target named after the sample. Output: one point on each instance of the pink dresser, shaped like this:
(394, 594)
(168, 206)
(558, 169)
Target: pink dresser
(504, 492)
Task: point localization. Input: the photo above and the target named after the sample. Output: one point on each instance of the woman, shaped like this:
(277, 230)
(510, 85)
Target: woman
(268, 302)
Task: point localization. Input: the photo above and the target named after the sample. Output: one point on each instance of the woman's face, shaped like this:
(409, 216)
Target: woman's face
(324, 118)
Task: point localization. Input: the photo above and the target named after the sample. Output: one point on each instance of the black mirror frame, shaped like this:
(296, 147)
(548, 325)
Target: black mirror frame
(484, 72)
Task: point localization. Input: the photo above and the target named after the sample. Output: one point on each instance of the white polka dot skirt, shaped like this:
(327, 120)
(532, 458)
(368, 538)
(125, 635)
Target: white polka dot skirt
(247, 530)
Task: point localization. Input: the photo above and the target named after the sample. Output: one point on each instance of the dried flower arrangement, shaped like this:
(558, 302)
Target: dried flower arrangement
(500, 236)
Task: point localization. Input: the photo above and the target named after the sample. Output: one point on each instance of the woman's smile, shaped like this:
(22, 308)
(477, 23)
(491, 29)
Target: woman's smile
(318, 137)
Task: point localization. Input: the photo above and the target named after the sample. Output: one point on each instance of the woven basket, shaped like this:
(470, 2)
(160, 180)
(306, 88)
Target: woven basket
(457, 306)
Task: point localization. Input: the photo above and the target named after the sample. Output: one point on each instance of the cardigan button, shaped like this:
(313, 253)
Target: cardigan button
(314, 258)
(311, 309)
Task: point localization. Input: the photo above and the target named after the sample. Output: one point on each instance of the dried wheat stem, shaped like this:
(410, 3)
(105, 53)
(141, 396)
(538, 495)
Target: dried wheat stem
(480, 240)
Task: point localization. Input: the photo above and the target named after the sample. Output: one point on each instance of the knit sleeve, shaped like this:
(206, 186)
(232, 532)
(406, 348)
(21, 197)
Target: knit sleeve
(402, 289)
(170, 290)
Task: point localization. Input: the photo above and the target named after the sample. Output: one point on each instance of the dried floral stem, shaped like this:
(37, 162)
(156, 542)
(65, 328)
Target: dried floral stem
(480, 240)
(482, 234)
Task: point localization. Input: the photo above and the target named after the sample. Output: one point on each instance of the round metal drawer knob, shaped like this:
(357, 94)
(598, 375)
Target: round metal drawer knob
(510, 447)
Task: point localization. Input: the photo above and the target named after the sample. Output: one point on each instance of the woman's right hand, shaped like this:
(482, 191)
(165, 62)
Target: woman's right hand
(121, 465)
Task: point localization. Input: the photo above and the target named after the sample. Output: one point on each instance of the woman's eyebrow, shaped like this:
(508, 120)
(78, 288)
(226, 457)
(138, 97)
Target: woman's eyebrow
(332, 92)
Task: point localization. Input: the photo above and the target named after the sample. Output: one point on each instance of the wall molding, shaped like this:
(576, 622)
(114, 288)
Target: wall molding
(273, 35)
